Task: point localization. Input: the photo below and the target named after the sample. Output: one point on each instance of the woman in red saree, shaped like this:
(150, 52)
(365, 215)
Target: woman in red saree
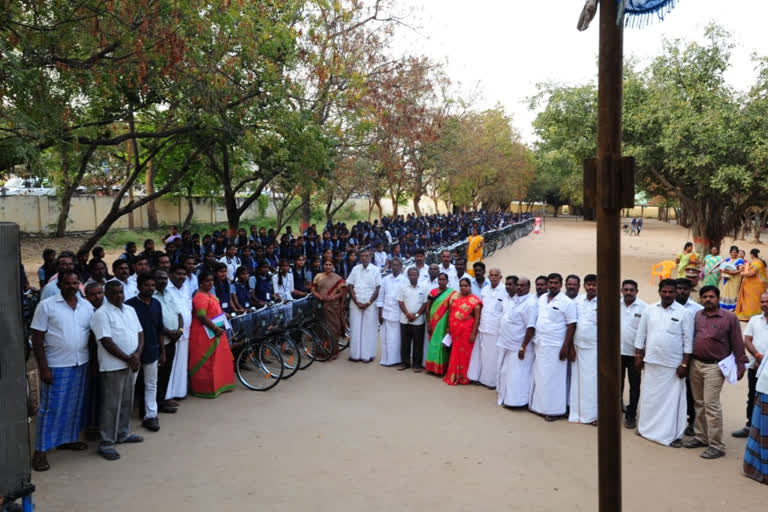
(463, 320)
(211, 371)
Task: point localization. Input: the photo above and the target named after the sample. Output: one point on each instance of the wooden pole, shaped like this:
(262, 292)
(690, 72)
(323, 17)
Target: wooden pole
(608, 259)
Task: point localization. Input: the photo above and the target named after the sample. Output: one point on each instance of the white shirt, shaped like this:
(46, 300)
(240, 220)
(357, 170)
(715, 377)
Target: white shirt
(122, 326)
(232, 264)
(477, 290)
(130, 290)
(66, 330)
(630, 321)
(692, 307)
(456, 281)
(586, 325)
(380, 259)
(412, 297)
(423, 273)
(665, 334)
(450, 271)
(388, 296)
(757, 327)
(553, 318)
(493, 307)
(287, 287)
(184, 302)
(191, 285)
(432, 284)
(519, 314)
(171, 310)
(365, 281)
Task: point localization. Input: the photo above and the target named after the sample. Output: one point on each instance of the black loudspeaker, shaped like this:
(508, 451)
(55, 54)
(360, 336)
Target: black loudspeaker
(14, 432)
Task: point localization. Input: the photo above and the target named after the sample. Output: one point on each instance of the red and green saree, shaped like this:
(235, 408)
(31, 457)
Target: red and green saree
(437, 354)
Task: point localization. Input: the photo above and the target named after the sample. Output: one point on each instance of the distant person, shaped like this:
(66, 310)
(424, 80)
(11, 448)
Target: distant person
(663, 347)
(583, 393)
(555, 327)
(687, 261)
(516, 354)
(717, 336)
(48, 268)
(634, 227)
(731, 269)
(121, 272)
(475, 244)
(754, 281)
(60, 329)
(639, 225)
(711, 269)
(632, 310)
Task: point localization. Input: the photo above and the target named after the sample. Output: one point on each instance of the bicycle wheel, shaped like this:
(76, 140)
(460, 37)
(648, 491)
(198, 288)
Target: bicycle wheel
(289, 352)
(305, 340)
(259, 367)
(324, 340)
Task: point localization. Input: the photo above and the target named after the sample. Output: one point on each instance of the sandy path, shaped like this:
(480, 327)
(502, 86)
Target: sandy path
(346, 437)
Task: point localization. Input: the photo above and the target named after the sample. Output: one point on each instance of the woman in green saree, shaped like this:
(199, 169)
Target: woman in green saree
(711, 269)
(437, 326)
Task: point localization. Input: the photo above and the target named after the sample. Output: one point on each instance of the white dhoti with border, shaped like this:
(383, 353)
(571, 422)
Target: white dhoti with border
(661, 413)
(177, 382)
(484, 361)
(514, 385)
(364, 332)
(390, 343)
(583, 392)
(549, 383)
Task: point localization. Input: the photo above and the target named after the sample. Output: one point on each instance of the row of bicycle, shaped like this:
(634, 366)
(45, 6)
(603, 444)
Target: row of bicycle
(276, 341)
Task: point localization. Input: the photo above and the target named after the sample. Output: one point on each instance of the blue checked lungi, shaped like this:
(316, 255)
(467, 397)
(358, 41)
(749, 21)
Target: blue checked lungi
(63, 408)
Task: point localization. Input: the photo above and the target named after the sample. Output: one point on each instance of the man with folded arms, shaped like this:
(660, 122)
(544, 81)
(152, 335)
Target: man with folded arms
(717, 336)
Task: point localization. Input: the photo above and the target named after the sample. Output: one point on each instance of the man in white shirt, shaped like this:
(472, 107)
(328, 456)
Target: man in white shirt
(140, 265)
(173, 329)
(389, 314)
(60, 329)
(479, 282)
(683, 297)
(190, 285)
(232, 261)
(419, 256)
(555, 326)
(121, 272)
(518, 326)
(363, 282)
(64, 261)
(584, 367)
(119, 341)
(412, 301)
(663, 347)
(632, 310)
(380, 256)
(446, 265)
(756, 344)
(484, 361)
(461, 273)
(177, 382)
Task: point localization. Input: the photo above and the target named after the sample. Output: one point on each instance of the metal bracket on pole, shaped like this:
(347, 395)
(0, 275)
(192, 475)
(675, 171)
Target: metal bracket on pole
(617, 182)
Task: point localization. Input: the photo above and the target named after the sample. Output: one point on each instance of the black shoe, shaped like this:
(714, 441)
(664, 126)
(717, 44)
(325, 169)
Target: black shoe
(689, 431)
(151, 424)
(693, 443)
(630, 423)
(741, 433)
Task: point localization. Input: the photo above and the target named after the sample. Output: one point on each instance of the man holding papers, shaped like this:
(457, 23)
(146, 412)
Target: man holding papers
(717, 335)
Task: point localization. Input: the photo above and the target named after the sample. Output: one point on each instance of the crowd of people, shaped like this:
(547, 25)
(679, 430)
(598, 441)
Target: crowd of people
(154, 327)
(533, 342)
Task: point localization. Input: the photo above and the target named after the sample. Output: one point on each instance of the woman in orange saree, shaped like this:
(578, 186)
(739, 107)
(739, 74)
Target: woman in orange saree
(753, 285)
(211, 371)
(475, 244)
(463, 320)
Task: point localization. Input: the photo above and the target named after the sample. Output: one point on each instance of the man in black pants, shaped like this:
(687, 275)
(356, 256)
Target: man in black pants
(412, 299)
(632, 310)
(756, 343)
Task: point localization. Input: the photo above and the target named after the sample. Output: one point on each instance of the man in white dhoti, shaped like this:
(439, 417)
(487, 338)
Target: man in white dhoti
(389, 314)
(632, 310)
(555, 326)
(518, 325)
(173, 330)
(363, 283)
(412, 300)
(484, 362)
(178, 289)
(663, 347)
(584, 367)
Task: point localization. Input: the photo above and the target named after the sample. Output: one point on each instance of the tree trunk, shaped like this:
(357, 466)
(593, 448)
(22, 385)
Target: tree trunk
(416, 206)
(190, 212)
(379, 207)
(370, 208)
(706, 223)
(70, 188)
(149, 185)
(306, 209)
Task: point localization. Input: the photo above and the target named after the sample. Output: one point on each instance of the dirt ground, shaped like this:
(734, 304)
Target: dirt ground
(349, 437)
